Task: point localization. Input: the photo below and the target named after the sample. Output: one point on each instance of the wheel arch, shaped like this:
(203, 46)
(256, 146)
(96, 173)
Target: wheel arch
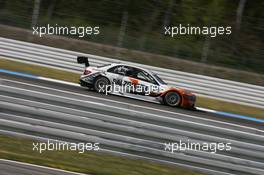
(99, 76)
(173, 90)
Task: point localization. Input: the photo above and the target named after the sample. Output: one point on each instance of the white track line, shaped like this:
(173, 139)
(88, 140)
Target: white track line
(143, 107)
(39, 166)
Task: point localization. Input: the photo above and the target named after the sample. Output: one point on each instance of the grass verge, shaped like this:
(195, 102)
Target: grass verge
(38, 70)
(72, 77)
(19, 149)
(220, 105)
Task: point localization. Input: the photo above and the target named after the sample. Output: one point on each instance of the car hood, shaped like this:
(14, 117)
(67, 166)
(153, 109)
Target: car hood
(173, 87)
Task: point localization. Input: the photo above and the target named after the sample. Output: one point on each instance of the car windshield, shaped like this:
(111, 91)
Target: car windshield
(145, 76)
(159, 79)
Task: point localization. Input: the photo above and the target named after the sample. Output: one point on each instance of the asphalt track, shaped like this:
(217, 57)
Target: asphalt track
(209, 120)
(153, 107)
(8, 167)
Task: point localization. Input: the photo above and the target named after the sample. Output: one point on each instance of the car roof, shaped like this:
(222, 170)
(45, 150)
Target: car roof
(123, 64)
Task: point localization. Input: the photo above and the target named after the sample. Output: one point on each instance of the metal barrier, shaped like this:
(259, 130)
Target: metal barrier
(241, 93)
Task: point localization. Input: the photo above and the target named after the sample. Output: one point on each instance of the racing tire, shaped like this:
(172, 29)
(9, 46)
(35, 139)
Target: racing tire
(172, 99)
(101, 84)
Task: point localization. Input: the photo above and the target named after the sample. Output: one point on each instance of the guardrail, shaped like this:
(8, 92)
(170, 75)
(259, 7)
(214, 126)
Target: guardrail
(130, 131)
(211, 87)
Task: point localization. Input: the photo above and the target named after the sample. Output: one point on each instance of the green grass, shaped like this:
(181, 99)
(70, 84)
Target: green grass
(38, 70)
(19, 149)
(72, 77)
(220, 105)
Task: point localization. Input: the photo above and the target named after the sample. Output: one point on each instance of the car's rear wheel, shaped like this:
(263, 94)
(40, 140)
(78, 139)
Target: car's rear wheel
(101, 84)
(172, 99)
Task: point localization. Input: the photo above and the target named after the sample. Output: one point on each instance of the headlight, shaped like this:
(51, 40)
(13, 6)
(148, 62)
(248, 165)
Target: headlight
(191, 97)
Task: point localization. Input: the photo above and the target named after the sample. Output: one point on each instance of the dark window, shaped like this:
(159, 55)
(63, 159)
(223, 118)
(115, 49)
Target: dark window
(120, 69)
(144, 76)
(130, 71)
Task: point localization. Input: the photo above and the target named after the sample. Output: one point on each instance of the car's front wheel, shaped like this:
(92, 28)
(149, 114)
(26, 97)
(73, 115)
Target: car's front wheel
(172, 99)
(101, 84)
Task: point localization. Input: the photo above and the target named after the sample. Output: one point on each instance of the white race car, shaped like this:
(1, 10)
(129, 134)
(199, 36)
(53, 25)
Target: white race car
(134, 82)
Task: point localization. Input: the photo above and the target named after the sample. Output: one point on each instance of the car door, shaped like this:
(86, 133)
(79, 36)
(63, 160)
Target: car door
(116, 75)
(140, 80)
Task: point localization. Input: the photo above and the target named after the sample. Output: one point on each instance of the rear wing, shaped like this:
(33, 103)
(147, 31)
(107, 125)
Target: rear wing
(83, 60)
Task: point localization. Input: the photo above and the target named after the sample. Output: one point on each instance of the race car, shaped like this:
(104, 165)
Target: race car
(134, 82)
